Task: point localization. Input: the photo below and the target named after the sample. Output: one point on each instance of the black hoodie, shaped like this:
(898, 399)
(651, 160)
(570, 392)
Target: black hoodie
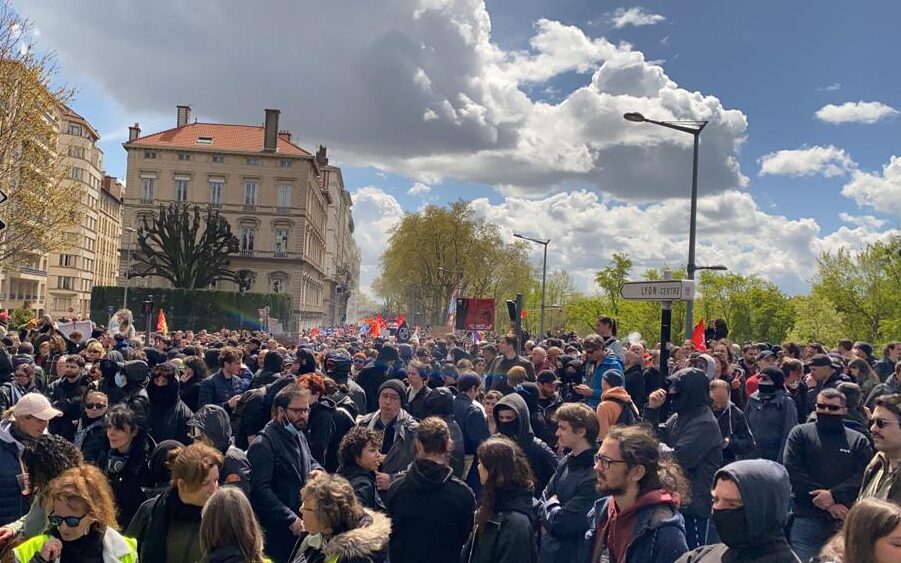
(509, 535)
(542, 458)
(431, 513)
(213, 422)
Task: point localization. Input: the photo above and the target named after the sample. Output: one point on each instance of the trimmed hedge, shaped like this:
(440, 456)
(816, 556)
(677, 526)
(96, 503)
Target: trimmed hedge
(193, 309)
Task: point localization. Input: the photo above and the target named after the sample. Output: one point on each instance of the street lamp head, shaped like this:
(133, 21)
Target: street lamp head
(634, 116)
(718, 267)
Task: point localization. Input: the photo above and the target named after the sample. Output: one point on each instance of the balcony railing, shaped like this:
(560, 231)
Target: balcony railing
(33, 272)
(280, 254)
(250, 207)
(216, 205)
(146, 201)
(246, 252)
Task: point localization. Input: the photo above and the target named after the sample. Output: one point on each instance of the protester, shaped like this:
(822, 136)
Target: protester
(862, 374)
(224, 387)
(750, 511)
(637, 518)
(512, 417)
(892, 386)
(737, 437)
(417, 375)
(23, 382)
(606, 329)
(338, 366)
(273, 364)
(570, 493)
(210, 426)
(795, 387)
(508, 357)
(229, 530)
(321, 424)
(428, 497)
(599, 361)
(168, 414)
(359, 459)
(90, 434)
(440, 404)
(771, 414)
(616, 405)
(125, 462)
(190, 379)
(549, 400)
(67, 396)
(491, 398)
(882, 479)
(633, 375)
(167, 526)
(375, 373)
(82, 517)
(891, 355)
(397, 428)
(871, 533)
(823, 375)
(505, 520)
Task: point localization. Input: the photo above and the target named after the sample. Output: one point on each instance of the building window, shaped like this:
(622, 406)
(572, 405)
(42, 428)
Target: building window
(218, 159)
(281, 243)
(76, 152)
(75, 129)
(76, 173)
(65, 282)
(248, 235)
(252, 161)
(286, 163)
(67, 260)
(181, 189)
(216, 189)
(250, 193)
(150, 154)
(147, 183)
(204, 140)
(183, 156)
(284, 196)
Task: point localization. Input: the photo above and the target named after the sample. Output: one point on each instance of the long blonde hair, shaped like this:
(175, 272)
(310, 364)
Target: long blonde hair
(85, 487)
(228, 519)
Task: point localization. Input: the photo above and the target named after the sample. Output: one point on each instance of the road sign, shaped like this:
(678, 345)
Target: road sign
(3, 199)
(674, 290)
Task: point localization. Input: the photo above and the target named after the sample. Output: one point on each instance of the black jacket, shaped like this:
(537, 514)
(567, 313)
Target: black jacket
(770, 418)
(320, 427)
(472, 422)
(170, 422)
(820, 459)
(635, 385)
(564, 519)
(90, 437)
(833, 382)
(213, 421)
(542, 458)
(415, 406)
(190, 392)
(129, 479)
(509, 536)
(370, 379)
(431, 511)
(734, 426)
(364, 486)
(66, 396)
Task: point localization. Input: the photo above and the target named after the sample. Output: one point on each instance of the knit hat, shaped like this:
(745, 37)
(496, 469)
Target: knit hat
(821, 360)
(396, 386)
(388, 353)
(614, 377)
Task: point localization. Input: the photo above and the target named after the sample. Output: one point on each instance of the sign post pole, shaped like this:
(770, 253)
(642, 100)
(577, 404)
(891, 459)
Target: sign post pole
(666, 325)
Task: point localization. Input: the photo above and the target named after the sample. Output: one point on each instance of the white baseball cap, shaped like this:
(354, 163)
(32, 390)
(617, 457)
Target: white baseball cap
(36, 405)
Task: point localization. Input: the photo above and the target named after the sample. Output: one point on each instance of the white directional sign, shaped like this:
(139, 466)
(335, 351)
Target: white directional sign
(669, 290)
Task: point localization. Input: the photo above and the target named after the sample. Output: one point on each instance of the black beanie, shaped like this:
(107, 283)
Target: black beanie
(397, 386)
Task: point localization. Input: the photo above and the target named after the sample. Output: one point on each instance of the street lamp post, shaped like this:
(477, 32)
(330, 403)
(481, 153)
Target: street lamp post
(543, 276)
(694, 128)
(131, 230)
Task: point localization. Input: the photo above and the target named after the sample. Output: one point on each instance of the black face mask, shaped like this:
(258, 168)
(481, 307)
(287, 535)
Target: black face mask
(732, 527)
(165, 395)
(675, 401)
(830, 422)
(509, 429)
(767, 388)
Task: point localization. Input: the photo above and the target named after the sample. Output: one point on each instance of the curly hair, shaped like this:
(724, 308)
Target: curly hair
(337, 506)
(313, 382)
(508, 470)
(352, 444)
(87, 488)
(46, 457)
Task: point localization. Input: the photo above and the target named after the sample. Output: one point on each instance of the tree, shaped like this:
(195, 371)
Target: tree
(188, 248)
(41, 206)
(816, 320)
(612, 278)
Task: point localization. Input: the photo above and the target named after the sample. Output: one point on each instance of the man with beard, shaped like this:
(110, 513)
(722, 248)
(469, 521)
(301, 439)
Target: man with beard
(825, 462)
(882, 480)
(695, 437)
(281, 464)
(66, 395)
(638, 517)
(169, 416)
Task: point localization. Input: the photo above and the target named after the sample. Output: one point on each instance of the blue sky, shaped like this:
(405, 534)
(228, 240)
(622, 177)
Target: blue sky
(760, 71)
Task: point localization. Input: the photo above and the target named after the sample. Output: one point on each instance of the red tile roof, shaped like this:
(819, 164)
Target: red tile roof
(246, 138)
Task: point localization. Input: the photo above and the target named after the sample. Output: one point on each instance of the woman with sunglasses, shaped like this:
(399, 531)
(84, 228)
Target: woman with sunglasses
(90, 434)
(82, 523)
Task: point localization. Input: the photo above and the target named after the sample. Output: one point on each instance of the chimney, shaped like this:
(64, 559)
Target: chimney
(134, 132)
(322, 156)
(184, 115)
(270, 132)
(285, 135)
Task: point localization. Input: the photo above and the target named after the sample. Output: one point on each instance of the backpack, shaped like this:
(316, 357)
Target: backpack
(627, 415)
(250, 415)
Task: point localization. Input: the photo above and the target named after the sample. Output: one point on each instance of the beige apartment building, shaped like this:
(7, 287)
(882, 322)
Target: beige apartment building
(343, 259)
(267, 187)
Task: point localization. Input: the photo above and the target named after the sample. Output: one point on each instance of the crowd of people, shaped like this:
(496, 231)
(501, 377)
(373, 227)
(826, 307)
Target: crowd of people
(230, 446)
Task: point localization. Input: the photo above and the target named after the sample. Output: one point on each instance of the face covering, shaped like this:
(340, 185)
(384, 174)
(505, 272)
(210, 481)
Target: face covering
(732, 527)
(120, 379)
(509, 429)
(767, 388)
(165, 395)
(292, 430)
(675, 401)
(830, 422)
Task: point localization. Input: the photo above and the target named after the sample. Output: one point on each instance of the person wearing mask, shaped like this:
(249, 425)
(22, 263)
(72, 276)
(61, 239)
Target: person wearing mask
(695, 437)
(429, 497)
(512, 417)
(882, 479)
(570, 493)
(793, 372)
(125, 462)
(167, 527)
(82, 523)
(571, 375)
(417, 376)
(871, 533)
(66, 395)
(771, 415)
(281, 464)
(27, 421)
(169, 415)
(190, 379)
(599, 361)
(737, 437)
(376, 373)
(826, 463)
(339, 529)
(126, 383)
(90, 434)
(359, 459)
(210, 425)
(823, 375)
(637, 517)
(506, 518)
(229, 530)
(616, 405)
(750, 511)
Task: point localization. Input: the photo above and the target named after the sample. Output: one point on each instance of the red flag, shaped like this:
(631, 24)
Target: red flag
(522, 314)
(161, 325)
(697, 337)
(400, 319)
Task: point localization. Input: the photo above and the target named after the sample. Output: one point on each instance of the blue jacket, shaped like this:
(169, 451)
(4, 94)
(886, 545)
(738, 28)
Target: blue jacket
(563, 519)
(770, 420)
(658, 534)
(610, 361)
(13, 504)
(217, 390)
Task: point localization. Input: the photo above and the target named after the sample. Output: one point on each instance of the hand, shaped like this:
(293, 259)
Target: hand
(656, 399)
(822, 499)
(316, 473)
(810, 381)
(233, 401)
(382, 480)
(838, 511)
(297, 527)
(583, 390)
(5, 534)
(726, 442)
(736, 383)
(52, 549)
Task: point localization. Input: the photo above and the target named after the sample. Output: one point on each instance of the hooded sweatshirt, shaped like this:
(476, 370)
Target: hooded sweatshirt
(620, 523)
(611, 407)
(542, 458)
(213, 421)
(765, 488)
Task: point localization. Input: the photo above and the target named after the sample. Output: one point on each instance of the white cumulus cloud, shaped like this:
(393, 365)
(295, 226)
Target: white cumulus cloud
(882, 192)
(856, 112)
(419, 189)
(828, 161)
(375, 214)
(636, 16)
(862, 220)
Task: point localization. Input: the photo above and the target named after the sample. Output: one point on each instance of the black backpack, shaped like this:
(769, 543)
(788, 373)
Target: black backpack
(250, 415)
(627, 416)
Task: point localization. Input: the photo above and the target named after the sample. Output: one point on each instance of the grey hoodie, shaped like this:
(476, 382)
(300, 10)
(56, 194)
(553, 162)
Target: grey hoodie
(214, 422)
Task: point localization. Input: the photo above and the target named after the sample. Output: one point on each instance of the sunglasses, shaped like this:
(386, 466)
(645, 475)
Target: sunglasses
(833, 408)
(71, 521)
(95, 406)
(882, 422)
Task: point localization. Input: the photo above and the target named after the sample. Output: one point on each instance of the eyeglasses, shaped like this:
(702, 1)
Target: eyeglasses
(71, 521)
(94, 406)
(882, 422)
(605, 461)
(832, 408)
(301, 410)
